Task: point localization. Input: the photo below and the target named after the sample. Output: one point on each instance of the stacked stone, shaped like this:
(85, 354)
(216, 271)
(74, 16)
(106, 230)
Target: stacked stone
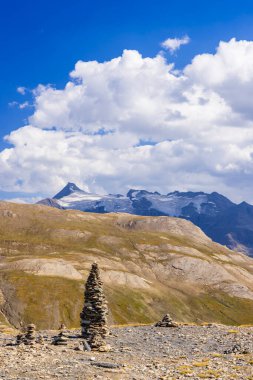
(61, 339)
(30, 335)
(166, 322)
(94, 314)
(19, 339)
(28, 338)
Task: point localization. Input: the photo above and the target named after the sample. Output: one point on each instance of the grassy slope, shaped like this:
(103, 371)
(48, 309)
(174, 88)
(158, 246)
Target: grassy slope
(40, 232)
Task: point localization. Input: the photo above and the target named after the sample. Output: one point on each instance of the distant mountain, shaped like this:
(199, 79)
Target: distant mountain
(222, 220)
(68, 190)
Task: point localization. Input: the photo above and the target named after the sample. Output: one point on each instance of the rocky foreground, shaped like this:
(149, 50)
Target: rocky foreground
(144, 352)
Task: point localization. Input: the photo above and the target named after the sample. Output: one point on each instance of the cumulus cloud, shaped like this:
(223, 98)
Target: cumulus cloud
(230, 73)
(137, 122)
(173, 44)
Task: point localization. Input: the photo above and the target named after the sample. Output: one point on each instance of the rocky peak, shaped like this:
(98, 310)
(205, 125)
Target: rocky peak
(67, 190)
(132, 193)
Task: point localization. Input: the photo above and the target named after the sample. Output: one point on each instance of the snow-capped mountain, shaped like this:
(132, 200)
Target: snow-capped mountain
(224, 221)
(71, 197)
(140, 202)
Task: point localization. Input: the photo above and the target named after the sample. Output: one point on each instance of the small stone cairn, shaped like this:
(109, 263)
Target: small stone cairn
(62, 327)
(61, 339)
(29, 338)
(94, 314)
(166, 322)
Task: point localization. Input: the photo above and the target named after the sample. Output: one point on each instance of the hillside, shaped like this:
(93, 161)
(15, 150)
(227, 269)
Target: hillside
(150, 266)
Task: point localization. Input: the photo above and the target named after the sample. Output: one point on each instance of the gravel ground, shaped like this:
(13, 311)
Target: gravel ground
(144, 352)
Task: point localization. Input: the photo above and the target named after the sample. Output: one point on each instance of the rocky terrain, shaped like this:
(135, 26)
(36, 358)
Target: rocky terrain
(150, 266)
(144, 352)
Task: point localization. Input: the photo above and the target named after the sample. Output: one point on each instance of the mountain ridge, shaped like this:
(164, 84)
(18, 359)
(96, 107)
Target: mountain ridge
(221, 219)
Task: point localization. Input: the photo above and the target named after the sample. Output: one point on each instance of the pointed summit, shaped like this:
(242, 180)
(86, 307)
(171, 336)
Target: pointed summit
(67, 190)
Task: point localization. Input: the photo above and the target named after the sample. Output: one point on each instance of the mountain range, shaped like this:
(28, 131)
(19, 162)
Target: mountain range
(222, 220)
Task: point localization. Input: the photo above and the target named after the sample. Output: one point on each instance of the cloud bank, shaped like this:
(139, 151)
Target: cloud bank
(137, 122)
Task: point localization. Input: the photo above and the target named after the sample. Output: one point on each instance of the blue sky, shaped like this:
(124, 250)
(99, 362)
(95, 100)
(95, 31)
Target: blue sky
(42, 40)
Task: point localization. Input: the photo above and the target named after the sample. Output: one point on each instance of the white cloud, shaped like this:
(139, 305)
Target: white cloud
(21, 90)
(229, 73)
(24, 105)
(173, 44)
(91, 132)
(21, 106)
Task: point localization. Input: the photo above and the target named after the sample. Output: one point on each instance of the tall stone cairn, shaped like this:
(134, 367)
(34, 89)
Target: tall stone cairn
(94, 314)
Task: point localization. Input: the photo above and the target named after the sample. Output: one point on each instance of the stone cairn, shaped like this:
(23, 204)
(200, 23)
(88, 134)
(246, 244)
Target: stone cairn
(62, 327)
(166, 322)
(94, 327)
(61, 339)
(29, 337)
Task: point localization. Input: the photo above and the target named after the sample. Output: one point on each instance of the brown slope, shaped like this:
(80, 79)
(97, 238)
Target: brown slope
(150, 265)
